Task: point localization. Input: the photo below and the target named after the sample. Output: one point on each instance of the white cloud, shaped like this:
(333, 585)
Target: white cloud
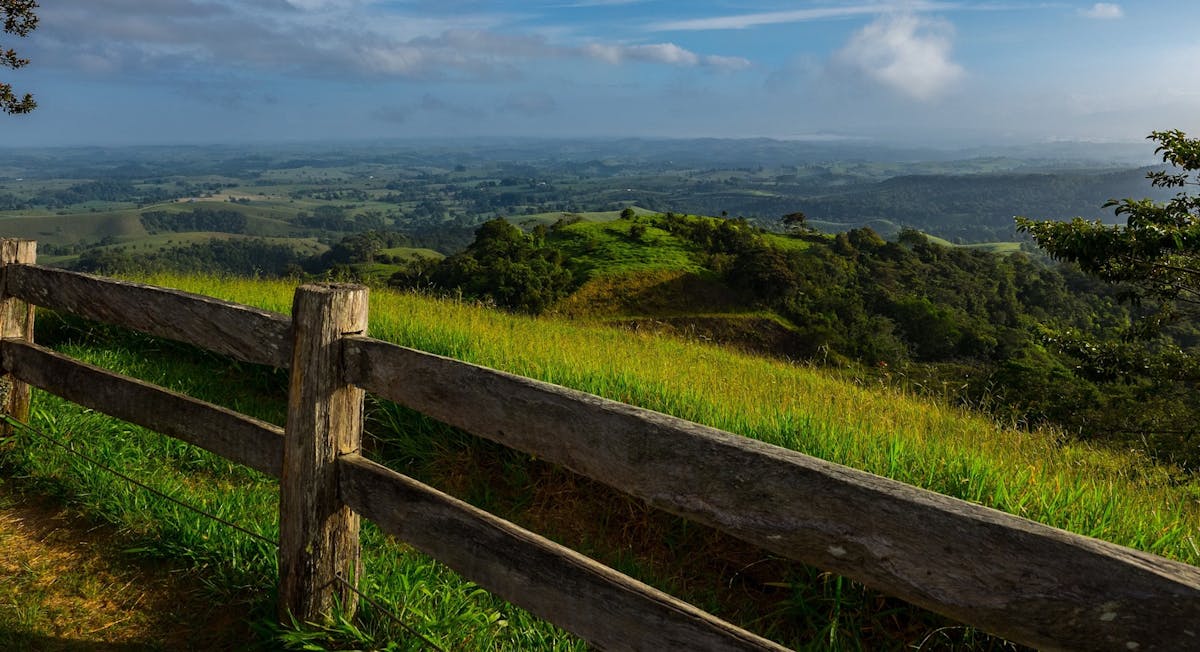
(1103, 11)
(906, 53)
(745, 21)
(320, 38)
(663, 53)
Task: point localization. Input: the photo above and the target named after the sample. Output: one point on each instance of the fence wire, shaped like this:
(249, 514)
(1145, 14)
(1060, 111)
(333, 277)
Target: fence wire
(100, 465)
(387, 612)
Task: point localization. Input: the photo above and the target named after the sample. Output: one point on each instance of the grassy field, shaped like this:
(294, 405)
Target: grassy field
(586, 216)
(1120, 498)
(601, 248)
(412, 253)
(160, 241)
(996, 247)
(66, 229)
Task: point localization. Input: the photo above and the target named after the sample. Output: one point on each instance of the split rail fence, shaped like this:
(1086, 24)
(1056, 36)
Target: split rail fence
(1027, 582)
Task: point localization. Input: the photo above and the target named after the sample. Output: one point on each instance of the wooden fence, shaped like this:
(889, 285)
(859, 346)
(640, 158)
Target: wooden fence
(1022, 580)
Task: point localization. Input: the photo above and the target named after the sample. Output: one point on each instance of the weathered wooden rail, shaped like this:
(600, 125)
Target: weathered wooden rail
(1016, 578)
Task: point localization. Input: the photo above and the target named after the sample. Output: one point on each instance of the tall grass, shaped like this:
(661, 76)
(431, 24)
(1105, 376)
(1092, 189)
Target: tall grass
(1119, 497)
(236, 567)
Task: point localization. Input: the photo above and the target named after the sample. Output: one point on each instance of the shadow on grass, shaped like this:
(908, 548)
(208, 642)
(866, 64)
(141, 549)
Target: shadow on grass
(24, 640)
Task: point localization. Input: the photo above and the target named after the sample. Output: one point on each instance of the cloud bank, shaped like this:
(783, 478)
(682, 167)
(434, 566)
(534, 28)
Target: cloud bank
(320, 38)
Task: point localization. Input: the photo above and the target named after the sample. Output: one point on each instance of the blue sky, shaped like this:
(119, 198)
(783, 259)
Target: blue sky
(944, 73)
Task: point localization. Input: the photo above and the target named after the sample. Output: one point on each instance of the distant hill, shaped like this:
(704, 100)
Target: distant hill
(975, 208)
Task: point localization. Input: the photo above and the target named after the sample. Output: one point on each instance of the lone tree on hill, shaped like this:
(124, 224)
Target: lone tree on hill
(1157, 250)
(797, 221)
(19, 19)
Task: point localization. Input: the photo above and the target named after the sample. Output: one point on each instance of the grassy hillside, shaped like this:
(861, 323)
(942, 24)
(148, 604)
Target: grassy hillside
(587, 216)
(1113, 496)
(1098, 493)
(65, 229)
(599, 248)
(411, 253)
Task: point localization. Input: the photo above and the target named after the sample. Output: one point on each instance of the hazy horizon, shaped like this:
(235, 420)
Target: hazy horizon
(943, 75)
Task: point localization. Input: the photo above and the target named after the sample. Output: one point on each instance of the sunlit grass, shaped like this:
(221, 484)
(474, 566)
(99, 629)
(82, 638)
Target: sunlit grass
(1121, 498)
(1113, 496)
(239, 568)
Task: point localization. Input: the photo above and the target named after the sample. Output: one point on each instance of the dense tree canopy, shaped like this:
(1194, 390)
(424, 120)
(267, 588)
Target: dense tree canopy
(1156, 254)
(1158, 248)
(514, 269)
(19, 19)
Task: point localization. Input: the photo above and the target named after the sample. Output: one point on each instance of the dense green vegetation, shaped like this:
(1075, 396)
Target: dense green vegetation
(514, 269)
(1029, 341)
(247, 257)
(225, 221)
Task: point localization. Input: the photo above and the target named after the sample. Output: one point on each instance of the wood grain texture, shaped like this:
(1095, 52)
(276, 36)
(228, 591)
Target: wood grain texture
(610, 610)
(318, 534)
(1028, 582)
(234, 436)
(16, 321)
(240, 332)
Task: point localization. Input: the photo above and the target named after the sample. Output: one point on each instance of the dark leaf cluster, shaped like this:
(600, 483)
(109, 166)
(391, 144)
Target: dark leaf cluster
(19, 20)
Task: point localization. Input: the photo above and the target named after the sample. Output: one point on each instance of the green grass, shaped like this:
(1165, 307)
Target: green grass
(412, 253)
(67, 229)
(1120, 498)
(1109, 495)
(996, 247)
(601, 248)
(124, 225)
(58, 579)
(786, 243)
(374, 273)
(587, 216)
(938, 241)
(239, 569)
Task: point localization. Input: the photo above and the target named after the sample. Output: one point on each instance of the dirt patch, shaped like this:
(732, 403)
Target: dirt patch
(66, 585)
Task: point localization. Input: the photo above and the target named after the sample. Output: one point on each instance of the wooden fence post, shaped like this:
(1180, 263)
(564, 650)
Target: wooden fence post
(318, 534)
(16, 320)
